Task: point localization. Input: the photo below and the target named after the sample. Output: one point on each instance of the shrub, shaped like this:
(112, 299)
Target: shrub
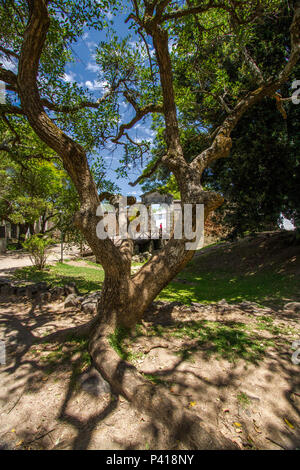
(37, 247)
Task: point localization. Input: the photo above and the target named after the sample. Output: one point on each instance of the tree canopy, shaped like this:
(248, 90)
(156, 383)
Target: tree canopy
(259, 177)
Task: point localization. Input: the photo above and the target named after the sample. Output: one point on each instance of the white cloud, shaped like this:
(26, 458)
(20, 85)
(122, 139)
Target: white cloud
(69, 77)
(91, 45)
(8, 64)
(109, 15)
(93, 67)
(133, 44)
(96, 85)
(149, 132)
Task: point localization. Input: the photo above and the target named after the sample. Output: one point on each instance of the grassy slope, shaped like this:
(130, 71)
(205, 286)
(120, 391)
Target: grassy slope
(265, 269)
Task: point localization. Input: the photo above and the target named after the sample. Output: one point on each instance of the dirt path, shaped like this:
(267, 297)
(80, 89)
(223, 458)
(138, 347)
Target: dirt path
(11, 260)
(42, 405)
(254, 401)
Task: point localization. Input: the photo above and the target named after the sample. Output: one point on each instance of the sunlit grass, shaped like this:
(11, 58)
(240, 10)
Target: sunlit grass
(86, 278)
(262, 288)
(229, 272)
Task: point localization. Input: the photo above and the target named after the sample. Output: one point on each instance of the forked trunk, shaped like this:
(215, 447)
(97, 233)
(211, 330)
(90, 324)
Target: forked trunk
(116, 306)
(121, 305)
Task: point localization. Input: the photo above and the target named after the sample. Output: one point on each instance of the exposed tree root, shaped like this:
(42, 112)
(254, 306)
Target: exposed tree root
(155, 346)
(153, 400)
(81, 331)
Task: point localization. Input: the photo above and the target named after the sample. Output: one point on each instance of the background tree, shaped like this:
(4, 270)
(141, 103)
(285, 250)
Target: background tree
(260, 177)
(31, 180)
(34, 187)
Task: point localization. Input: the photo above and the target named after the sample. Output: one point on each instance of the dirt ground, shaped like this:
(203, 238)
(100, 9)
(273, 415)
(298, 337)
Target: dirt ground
(12, 260)
(255, 403)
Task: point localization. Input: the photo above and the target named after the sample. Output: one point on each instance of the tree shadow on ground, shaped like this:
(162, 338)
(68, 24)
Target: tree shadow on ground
(203, 343)
(66, 362)
(32, 371)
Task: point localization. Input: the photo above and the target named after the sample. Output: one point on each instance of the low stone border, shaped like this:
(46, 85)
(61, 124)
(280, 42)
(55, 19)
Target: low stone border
(44, 293)
(89, 302)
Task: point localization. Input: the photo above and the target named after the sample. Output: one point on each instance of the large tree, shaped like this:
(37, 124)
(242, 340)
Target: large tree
(36, 33)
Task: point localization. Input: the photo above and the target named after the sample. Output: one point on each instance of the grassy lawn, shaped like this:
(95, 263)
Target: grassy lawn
(262, 270)
(86, 278)
(206, 287)
(232, 341)
(247, 270)
(189, 286)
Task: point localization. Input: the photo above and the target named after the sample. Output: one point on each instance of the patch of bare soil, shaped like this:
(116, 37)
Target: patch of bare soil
(13, 260)
(252, 400)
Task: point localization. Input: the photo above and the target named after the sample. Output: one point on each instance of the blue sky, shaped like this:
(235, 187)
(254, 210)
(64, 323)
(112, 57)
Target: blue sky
(84, 71)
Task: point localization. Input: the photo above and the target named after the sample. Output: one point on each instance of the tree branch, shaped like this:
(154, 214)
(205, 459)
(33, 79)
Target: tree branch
(140, 113)
(213, 5)
(148, 173)
(222, 142)
(71, 109)
(10, 109)
(84, 104)
(72, 154)
(194, 10)
(8, 76)
(4, 147)
(253, 66)
(8, 52)
(11, 128)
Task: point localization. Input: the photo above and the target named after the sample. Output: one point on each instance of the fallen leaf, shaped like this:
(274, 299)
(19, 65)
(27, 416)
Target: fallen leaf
(257, 429)
(289, 424)
(237, 424)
